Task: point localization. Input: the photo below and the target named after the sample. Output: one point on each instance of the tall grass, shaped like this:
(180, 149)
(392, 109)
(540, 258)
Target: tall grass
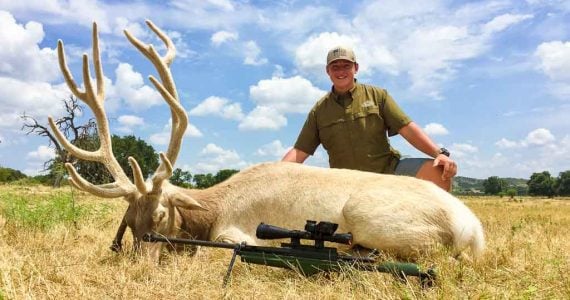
(67, 257)
(44, 211)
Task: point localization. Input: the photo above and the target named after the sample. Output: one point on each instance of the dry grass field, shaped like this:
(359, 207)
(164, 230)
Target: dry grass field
(54, 245)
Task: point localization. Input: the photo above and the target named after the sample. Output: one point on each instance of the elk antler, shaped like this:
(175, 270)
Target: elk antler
(168, 91)
(94, 99)
(166, 87)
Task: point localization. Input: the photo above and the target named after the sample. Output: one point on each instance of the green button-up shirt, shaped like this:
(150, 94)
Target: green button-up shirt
(354, 129)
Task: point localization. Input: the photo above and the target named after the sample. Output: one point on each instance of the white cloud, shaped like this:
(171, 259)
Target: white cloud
(130, 120)
(36, 99)
(463, 150)
(555, 60)
(215, 158)
(311, 55)
(435, 129)
(252, 54)
(263, 117)
(74, 12)
(500, 23)
(506, 144)
(539, 137)
(274, 149)
(20, 55)
(127, 122)
(223, 36)
(130, 87)
(219, 107)
(163, 138)
(286, 95)
(41, 154)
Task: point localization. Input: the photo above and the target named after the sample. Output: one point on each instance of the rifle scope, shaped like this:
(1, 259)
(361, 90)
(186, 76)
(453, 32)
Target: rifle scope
(322, 231)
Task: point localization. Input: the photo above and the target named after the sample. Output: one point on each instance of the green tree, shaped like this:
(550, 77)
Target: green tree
(145, 155)
(123, 147)
(563, 184)
(224, 174)
(203, 181)
(541, 184)
(511, 192)
(493, 185)
(9, 174)
(181, 178)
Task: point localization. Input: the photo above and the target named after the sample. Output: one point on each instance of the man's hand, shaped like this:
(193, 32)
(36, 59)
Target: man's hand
(449, 166)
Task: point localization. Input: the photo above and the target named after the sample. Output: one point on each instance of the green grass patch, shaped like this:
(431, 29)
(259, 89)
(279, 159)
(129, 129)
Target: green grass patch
(43, 212)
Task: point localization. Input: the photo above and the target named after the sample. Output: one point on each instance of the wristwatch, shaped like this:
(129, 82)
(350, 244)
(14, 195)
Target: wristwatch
(444, 152)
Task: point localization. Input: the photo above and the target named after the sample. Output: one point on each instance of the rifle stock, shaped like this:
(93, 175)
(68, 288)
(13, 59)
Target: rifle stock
(305, 259)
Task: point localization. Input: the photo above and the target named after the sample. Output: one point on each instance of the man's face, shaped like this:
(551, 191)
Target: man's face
(341, 73)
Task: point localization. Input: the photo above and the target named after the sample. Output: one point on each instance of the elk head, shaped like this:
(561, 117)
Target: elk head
(151, 207)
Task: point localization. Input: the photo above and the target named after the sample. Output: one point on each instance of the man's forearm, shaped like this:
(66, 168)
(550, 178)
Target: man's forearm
(295, 155)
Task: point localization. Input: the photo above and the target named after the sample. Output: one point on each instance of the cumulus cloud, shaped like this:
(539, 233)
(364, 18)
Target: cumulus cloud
(263, 117)
(428, 50)
(130, 87)
(311, 55)
(222, 37)
(554, 62)
(41, 154)
(435, 129)
(506, 143)
(537, 137)
(461, 150)
(286, 95)
(127, 122)
(218, 106)
(252, 54)
(20, 55)
(163, 138)
(276, 97)
(214, 158)
(275, 149)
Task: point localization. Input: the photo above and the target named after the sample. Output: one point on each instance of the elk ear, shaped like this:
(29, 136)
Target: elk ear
(186, 201)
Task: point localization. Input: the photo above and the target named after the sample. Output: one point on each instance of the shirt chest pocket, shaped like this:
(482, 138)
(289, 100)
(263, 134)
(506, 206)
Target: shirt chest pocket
(368, 120)
(332, 133)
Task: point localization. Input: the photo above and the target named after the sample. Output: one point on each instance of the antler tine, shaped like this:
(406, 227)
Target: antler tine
(176, 108)
(94, 99)
(138, 176)
(161, 175)
(167, 89)
(74, 150)
(171, 50)
(67, 73)
(105, 191)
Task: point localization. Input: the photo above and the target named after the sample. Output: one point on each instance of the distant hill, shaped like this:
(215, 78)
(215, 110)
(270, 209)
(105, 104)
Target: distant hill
(475, 186)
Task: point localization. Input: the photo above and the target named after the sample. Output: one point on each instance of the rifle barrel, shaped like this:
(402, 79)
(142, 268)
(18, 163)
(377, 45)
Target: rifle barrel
(153, 238)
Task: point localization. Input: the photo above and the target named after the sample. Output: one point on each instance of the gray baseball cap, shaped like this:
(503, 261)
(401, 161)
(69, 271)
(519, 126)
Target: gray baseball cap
(340, 52)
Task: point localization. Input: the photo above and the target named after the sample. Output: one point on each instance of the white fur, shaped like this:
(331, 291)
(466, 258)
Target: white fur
(399, 214)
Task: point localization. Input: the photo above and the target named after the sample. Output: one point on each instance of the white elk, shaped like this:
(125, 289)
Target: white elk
(397, 214)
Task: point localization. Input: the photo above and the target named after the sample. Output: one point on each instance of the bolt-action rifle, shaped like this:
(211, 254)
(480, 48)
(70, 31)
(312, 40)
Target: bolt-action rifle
(307, 259)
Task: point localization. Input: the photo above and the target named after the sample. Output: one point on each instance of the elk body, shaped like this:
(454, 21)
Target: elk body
(401, 215)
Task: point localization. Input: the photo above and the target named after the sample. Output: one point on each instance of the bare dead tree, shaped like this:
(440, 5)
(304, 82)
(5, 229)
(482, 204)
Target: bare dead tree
(69, 127)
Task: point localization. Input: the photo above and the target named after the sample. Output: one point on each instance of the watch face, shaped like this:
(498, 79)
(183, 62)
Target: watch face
(444, 152)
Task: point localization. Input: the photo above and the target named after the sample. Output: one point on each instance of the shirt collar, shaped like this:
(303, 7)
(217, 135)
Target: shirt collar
(351, 92)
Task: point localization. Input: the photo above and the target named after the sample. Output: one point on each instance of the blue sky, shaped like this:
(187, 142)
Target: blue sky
(489, 80)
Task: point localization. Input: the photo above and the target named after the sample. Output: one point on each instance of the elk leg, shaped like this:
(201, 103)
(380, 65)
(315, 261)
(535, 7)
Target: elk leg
(117, 245)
